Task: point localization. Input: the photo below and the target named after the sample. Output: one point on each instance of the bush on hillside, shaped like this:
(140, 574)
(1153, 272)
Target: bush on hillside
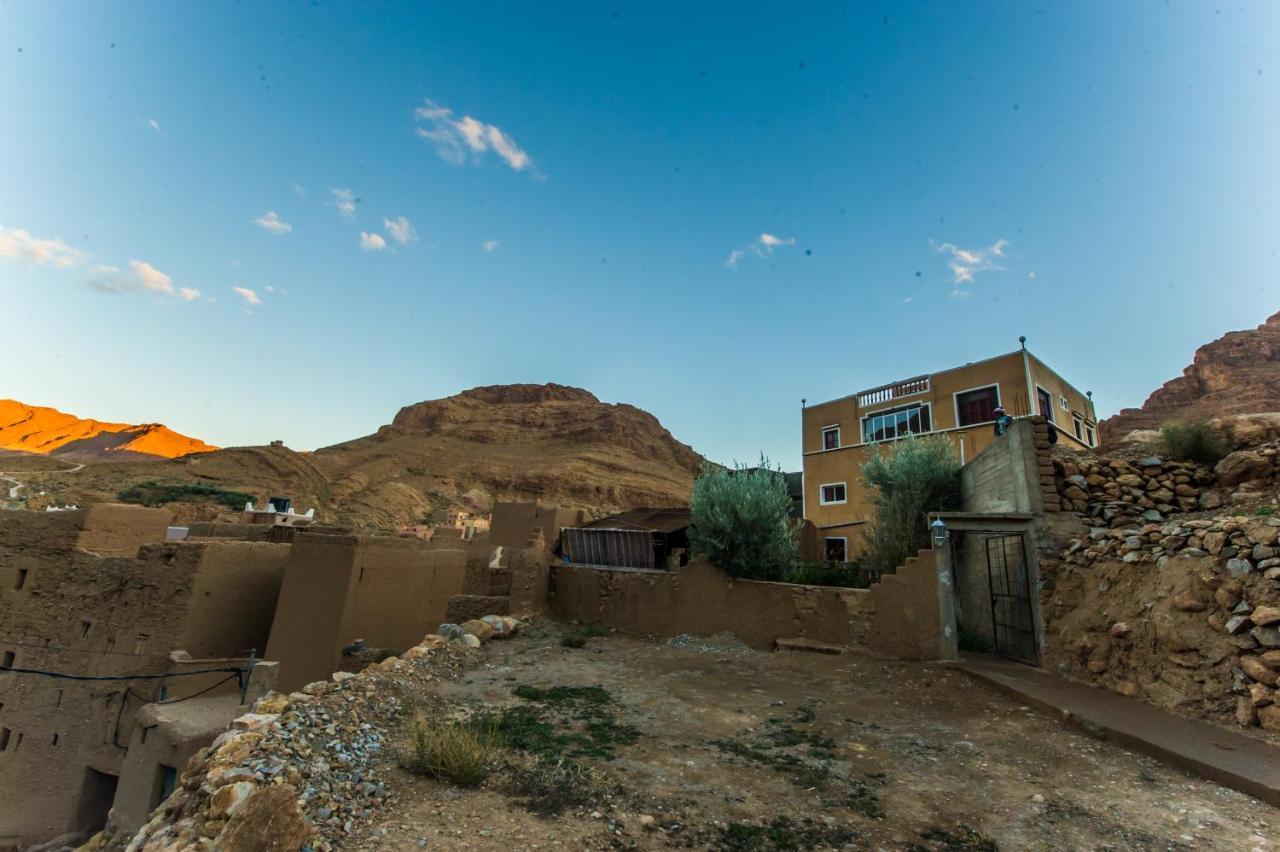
(912, 477)
(158, 494)
(741, 521)
(1196, 441)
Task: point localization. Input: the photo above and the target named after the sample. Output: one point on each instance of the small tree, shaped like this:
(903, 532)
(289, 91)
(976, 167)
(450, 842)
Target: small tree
(917, 475)
(741, 521)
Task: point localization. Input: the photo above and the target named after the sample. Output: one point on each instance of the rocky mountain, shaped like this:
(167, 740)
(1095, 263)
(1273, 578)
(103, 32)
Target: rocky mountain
(556, 444)
(47, 431)
(1239, 373)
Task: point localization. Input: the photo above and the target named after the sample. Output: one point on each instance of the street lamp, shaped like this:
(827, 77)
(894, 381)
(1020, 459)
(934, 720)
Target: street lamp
(939, 532)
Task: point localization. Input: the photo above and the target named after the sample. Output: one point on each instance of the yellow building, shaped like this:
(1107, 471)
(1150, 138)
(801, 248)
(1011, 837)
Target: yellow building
(839, 436)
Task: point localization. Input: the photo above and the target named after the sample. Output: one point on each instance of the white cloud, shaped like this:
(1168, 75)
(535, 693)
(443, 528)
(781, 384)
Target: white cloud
(279, 291)
(272, 223)
(489, 245)
(150, 278)
(18, 244)
(345, 200)
(248, 295)
(965, 264)
(188, 294)
(299, 190)
(372, 242)
(762, 246)
(155, 125)
(453, 137)
(959, 294)
(401, 230)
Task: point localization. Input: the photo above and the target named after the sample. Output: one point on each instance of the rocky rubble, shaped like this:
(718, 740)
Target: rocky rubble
(301, 771)
(1119, 492)
(1185, 613)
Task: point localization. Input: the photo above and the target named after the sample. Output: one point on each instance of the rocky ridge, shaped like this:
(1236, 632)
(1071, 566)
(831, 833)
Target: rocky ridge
(47, 431)
(1237, 373)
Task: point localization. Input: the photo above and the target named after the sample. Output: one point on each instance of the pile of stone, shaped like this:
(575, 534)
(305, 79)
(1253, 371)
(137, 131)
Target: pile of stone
(302, 770)
(1238, 598)
(1120, 492)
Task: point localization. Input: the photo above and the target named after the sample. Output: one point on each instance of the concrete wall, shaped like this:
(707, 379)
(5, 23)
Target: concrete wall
(701, 599)
(389, 592)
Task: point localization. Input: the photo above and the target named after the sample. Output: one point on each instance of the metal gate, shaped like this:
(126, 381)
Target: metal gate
(1012, 622)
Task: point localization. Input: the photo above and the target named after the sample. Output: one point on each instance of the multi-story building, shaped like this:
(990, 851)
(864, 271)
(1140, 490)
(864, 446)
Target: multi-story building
(839, 436)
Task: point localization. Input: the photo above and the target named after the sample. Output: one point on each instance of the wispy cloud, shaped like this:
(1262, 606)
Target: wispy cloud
(18, 244)
(345, 200)
(299, 190)
(454, 138)
(188, 294)
(489, 245)
(155, 125)
(372, 242)
(272, 223)
(141, 277)
(279, 291)
(762, 246)
(960, 295)
(248, 295)
(401, 230)
(965, 264)
(150, 278)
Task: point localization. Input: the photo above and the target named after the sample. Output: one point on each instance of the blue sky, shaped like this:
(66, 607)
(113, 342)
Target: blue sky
(708, 214)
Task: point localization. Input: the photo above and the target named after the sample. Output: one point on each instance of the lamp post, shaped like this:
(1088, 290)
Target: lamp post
(948, 648)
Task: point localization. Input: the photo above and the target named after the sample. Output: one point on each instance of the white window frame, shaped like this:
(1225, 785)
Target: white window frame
(843, 538)
(835, 427)
(1062, 402)
(1090, 435)
(822, 501)
(1077, 425)
(955, 404)
(1049, 394)
(862, 424)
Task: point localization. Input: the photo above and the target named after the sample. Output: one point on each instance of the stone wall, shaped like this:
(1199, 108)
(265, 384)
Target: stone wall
(703, 600)
(1184, 614)
(1119, 491)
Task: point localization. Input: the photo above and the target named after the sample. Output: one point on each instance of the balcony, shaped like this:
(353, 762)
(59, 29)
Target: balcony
(890, 392)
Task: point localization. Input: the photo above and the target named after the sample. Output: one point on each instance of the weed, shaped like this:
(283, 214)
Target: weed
(456, 752)
(1146, 776)
(960, 839)
(550, 787)
(564, 720)
(1264, 511)
(782, 833)
(1195, 441)
(573, 641)
(577, 638)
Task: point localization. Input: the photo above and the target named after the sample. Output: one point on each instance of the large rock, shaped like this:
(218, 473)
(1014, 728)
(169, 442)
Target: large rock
(1242, 466)
(1255, 669)
(268, 820)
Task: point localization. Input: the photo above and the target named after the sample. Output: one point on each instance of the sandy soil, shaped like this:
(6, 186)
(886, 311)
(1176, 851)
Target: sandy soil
(743, 750)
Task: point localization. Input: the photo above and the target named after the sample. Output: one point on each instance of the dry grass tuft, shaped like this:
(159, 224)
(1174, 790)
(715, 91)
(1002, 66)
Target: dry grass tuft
(457, 752)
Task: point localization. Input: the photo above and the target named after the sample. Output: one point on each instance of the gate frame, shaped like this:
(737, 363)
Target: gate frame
(1026, 524)
(1021, 573)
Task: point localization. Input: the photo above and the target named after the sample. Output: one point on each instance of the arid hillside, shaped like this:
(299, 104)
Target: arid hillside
(47, 431)
(556, 444)
(1239, 373)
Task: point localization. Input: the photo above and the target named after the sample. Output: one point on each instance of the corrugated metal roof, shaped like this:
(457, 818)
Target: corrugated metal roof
(654, 520)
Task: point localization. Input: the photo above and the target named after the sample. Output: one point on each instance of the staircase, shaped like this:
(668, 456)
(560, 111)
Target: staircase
(906, 621)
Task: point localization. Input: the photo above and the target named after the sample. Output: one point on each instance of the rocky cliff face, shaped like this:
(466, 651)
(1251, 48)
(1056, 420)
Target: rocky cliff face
(1237, 374)
(47, 431)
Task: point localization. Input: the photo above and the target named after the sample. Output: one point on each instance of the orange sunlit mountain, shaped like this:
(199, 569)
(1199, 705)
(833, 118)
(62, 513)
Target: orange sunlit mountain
(47, 431)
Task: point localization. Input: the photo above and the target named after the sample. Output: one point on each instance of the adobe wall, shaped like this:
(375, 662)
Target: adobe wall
(514, 523)
(390, 592)
(701, 599)
(118, 529)
(65, 609)
(906, 622)
(233, 598)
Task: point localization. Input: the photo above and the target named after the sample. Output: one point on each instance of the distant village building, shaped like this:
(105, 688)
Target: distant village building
(641, 538)
(278, 512)
(839, 436)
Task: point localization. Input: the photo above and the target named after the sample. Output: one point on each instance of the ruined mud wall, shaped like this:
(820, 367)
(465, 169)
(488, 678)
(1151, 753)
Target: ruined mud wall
(514, 523)
(1185, 615)
(233, 598)
(116, 529)
(701, 599)
(339, 588)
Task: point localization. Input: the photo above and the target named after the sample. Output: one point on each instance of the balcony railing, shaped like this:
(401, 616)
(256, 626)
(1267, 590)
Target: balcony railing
(885, 393)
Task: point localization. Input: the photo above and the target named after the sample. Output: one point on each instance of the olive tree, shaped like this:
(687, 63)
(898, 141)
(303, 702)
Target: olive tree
(741, 520)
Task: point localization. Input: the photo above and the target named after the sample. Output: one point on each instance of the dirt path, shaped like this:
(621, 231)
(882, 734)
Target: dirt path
(18, 486)
(741, 750)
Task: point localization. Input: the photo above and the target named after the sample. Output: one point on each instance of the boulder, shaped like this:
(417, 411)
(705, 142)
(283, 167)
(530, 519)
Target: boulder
(1265, 615)
(1269, 717)
(272, 702)
(479, 629)
(228, 798)
(1253, 667)
(1188, 601)
(1242, 466)
(268, 820)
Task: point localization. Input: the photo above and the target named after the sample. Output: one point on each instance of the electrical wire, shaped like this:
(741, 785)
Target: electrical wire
(186, 698)
(65, 676)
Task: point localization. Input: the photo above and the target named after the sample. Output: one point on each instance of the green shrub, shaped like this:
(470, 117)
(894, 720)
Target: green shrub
(850, 575)
(455, 752)
(912, 477)
(741, 521)
(1195, 441)
(158, 494)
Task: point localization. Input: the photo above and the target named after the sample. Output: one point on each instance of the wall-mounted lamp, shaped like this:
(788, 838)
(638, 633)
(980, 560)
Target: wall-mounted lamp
(941, 535)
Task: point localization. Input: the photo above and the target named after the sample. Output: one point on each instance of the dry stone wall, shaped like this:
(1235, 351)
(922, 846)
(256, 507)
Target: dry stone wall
(1184, 614)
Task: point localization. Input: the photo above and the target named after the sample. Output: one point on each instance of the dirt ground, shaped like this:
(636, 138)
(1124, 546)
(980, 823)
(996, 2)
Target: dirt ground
(707, 744)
